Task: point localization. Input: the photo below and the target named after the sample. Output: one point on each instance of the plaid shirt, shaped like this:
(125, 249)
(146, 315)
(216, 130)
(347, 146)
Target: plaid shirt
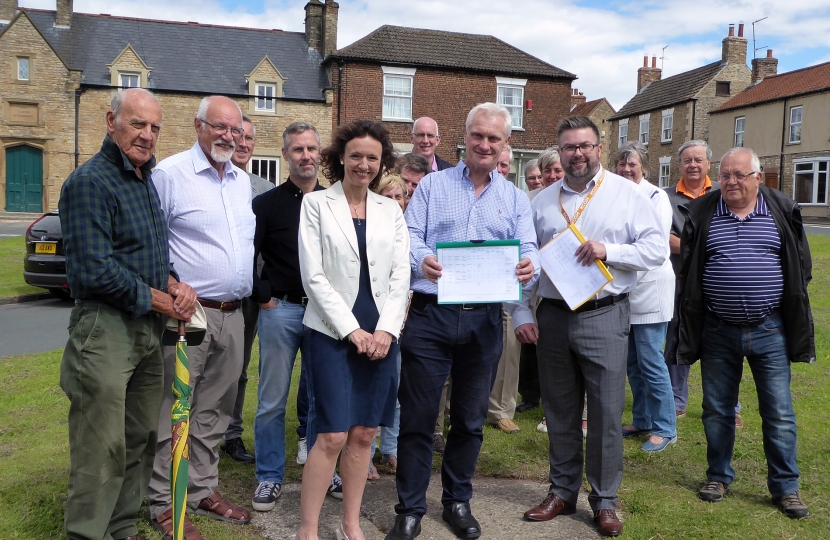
(114, 232)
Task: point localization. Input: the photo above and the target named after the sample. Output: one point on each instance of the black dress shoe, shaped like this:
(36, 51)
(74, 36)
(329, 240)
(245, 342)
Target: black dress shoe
(525, 406)
(405, 528)
(463, 524)
(235, 449)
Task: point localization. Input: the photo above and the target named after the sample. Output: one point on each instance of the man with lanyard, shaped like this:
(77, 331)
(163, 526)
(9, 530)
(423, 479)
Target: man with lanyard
(584, 351)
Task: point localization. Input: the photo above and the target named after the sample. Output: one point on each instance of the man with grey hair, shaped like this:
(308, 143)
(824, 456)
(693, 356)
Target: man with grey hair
(119, 272)
(206, 203)
(425, 139)
(468, 202)
(745, 268)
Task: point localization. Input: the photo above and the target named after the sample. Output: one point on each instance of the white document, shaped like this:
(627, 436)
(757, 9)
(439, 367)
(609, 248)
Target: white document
(476, 274)
(576, 283)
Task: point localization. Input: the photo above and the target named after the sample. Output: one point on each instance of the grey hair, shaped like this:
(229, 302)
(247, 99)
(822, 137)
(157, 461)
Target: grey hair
(756, 163)
(509, 153)
(696, 142)
(633, 148)
(415, 123)
(121, 95)
(246, 118)
(491, 109)
(548, 158)
(204, 105)
(576, 122)
(295, 128)
(532, 164)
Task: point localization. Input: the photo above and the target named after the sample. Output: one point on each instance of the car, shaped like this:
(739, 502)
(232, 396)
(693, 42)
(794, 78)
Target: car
(44, 264)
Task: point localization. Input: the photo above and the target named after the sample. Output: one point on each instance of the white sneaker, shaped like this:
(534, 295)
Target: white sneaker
(542, 427)
(302, 451)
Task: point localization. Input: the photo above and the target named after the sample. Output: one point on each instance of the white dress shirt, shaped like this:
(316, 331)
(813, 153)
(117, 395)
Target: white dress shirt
(211, 224)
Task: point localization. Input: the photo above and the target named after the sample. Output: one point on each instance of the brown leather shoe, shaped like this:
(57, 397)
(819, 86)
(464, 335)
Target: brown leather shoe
(609, 523)
(551, 507)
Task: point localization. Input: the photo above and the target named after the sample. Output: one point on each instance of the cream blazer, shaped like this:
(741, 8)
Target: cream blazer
(330, 261)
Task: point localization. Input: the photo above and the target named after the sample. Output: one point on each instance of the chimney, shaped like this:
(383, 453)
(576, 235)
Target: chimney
(577, 98)
(314, 24)
(7, 10)
(330, 13)
(647, 74)
(764, 67)
(734, 47)
(63, 15)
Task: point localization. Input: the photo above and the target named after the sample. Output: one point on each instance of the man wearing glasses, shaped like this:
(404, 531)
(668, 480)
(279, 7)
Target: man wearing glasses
(425, 139)
(206, 203)
(745, 269)
(585, 351)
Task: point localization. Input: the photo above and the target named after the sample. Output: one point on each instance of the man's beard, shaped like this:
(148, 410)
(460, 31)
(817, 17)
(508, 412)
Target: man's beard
(220, 154)
(583, 177)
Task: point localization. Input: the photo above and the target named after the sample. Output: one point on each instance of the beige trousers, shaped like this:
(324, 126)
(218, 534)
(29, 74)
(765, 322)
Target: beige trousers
(506, 388)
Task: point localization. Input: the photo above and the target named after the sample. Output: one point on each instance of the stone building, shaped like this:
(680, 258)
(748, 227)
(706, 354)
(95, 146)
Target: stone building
(784, 119)
(395, 75)
(665, 113)
(600, 113)
(59, 70)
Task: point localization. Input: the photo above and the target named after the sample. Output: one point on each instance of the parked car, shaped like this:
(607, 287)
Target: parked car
(45, 263)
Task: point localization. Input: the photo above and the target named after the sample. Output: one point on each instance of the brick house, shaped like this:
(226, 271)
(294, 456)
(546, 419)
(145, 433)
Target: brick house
(600, 113)
(396, 74)
(665, 113)
(59, 70)
(783, 118)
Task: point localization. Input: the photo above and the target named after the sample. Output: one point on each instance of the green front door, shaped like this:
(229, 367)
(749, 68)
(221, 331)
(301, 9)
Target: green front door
(24, 179)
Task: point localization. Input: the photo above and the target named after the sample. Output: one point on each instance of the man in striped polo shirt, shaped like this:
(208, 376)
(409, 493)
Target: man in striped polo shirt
(743, 279)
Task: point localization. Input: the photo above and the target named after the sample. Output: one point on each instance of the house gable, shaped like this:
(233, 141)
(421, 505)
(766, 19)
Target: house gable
(265, 73)
(129, 62)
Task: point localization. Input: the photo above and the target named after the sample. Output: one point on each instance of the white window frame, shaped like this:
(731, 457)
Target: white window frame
(256, 162)
(664, 177)
(644, 119)
(815, 169)
(623, 133)
(516, 110)
(391, 73)
(795, 127)
(667, 126)
(124, 76)
(265, 98)
(740, 126)
(20, 62)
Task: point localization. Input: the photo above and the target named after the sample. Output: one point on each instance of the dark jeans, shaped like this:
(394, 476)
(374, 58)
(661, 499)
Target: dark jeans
(529, 374)
(439, 341)
(721, 365)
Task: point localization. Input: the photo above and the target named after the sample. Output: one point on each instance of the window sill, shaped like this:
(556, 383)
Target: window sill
(666, 142)
(795, 143)
(402, 120)
(514, 128)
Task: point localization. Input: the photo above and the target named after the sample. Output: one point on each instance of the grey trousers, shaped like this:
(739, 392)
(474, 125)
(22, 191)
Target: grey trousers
(215, 366)
(506, 385)
(250, 314)
(584, 354)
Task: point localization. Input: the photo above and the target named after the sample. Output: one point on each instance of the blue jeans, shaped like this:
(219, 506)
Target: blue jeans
(648, 376)
(721, 364)
(389, 435)
(280, 337)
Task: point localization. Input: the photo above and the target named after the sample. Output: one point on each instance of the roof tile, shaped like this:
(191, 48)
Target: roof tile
(793, 83)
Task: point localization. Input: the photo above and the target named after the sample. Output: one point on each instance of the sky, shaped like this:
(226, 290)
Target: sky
(602, 42)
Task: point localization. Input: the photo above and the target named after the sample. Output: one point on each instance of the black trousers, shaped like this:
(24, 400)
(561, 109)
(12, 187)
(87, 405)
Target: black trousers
(529, 374)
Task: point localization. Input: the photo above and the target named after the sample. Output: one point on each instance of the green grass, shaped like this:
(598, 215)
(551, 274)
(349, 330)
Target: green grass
(658, 494)
(12, 251)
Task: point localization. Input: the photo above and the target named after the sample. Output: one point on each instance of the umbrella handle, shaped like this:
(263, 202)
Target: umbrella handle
(182, 329)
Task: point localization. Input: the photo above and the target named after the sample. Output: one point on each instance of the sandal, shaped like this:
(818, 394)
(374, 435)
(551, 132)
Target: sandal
(164, 524)
(373, 473)
(391, 460)
(216, 507)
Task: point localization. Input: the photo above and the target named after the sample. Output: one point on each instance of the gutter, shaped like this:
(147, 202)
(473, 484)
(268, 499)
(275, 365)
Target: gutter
(781, 156)
(78, 92)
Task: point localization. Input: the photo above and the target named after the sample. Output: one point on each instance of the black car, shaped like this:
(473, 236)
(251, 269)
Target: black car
(45, 263)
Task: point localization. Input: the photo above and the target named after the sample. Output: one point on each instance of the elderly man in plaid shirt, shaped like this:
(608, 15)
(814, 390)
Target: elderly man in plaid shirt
(119, 273)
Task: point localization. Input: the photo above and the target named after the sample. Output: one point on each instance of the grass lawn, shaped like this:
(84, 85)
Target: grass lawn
(658, 494)
(12, 251)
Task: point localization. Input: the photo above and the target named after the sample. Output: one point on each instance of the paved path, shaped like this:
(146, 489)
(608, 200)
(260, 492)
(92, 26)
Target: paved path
(34, 327)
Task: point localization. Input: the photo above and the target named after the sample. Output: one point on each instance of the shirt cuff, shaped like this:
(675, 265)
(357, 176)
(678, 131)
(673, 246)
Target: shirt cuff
(521, 314)
(143, 300)
(612, 253)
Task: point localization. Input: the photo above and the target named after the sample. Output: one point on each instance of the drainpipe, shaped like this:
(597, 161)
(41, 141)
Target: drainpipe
(781, 156)
(339, 90)
(78, 92)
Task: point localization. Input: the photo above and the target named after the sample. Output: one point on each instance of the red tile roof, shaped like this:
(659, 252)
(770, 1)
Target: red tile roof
(585, 109)
(794, 83)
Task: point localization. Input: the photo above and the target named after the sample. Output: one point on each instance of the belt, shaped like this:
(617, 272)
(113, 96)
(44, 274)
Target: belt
(590, 305)
(421, 299)
(292, 298)
(233, 305)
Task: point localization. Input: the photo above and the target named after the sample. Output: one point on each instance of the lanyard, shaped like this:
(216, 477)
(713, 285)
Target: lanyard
(584, 202)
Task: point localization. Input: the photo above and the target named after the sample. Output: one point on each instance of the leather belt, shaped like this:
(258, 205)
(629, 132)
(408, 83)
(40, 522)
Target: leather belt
(590, 305)
(421, 299)
(233, 305)
(292, 298)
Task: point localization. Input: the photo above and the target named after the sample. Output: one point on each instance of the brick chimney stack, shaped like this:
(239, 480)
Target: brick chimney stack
(734, 47)
(314, 24)
(577, 98)
(764, 67)
(63, 15)
(7, 10)
(647, 74)
(330, 13)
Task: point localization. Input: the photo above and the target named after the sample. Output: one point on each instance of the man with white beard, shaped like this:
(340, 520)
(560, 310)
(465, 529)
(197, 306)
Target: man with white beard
(206, 202)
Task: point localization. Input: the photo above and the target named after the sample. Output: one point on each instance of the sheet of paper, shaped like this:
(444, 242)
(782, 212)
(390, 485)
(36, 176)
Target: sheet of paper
(576, 283)
(478, 274)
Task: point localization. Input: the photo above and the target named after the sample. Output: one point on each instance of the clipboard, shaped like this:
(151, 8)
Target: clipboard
(479, 271)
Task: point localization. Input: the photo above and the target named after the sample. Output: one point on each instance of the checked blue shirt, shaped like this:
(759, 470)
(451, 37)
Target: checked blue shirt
(444, 208)
(114, 233)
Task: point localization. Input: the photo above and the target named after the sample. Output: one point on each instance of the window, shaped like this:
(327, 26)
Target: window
(795, 125)
(665, 172)
(128, 80)
(510, 93)
(397, 93)
(623, 132)
(722, 88)
(265, 94)
(644, 128)
(668, 124)
(22, 69)
(810, 181)
(739, 131)
(266, 167)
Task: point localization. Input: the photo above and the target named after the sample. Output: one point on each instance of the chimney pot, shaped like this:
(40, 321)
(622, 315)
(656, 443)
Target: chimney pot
(654, 61)
(741, 30)
(731, 30)
(645, 61)
(769, 53)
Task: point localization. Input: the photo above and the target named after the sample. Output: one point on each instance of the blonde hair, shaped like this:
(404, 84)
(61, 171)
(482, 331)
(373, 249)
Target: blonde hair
(390, 181)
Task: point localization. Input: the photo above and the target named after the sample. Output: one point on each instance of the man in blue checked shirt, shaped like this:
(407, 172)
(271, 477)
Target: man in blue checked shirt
(468, 202)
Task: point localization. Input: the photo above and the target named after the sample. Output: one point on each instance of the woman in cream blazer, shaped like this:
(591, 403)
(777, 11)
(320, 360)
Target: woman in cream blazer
(354, 262)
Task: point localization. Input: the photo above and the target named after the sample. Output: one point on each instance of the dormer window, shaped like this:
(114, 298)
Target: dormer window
(265, 94)
(129, 80)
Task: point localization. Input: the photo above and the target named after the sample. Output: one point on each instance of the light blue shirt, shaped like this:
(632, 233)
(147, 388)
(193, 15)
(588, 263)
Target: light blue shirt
(444, 208)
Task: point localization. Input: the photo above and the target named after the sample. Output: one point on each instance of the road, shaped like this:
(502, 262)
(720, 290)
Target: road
(33, 327)
(823, 230)
(14, 227)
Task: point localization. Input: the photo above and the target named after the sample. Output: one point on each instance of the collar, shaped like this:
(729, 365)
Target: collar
(111, 151)
(295, 190)
(201, 164)
(589, 186)
(465, 174)
(681, 188)
(760, 208)
(434, 163)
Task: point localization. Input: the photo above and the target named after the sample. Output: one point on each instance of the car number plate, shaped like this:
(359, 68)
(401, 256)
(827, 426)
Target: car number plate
(45, 248)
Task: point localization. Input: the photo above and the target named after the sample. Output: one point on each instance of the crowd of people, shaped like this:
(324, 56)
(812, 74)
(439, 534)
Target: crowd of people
(347, 276)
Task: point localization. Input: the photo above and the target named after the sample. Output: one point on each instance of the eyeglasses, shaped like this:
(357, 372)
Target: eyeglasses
(427, 136)
(740, 177)
(571, 148)
(221, 129)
